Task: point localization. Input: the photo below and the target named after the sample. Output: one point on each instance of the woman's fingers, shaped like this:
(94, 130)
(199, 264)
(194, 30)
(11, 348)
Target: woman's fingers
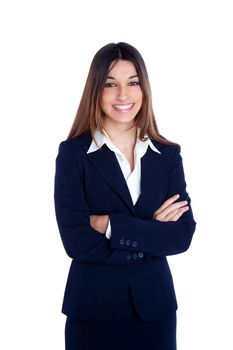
(172, 216)
(165, 210)
(170, 211)
(168, 202)
(176, 214)
(172, 207)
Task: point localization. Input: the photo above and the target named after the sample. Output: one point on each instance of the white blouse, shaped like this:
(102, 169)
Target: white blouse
(133, 179)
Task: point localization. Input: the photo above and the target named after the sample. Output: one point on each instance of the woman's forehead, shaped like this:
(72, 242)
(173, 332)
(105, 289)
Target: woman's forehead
(122, 68)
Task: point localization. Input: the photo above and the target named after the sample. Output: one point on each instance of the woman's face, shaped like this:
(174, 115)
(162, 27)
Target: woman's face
(121, 99)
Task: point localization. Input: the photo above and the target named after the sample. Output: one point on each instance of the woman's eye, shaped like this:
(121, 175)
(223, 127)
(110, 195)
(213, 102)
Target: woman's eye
(132, 83)
(109, 84)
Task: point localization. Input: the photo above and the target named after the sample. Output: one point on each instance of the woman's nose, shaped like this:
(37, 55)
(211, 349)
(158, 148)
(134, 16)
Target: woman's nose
(122, 93)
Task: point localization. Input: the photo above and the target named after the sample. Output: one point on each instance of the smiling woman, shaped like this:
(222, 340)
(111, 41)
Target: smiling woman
(122, 207)
(122, 100)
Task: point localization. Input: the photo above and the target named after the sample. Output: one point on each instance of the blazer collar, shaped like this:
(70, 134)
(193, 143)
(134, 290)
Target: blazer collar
(101, 139)
(106, 163)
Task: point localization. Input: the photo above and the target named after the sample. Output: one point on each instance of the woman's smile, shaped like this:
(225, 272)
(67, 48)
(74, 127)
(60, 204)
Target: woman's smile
(123, 108)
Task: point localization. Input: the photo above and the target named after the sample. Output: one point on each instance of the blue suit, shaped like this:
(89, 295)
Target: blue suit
(113, 279)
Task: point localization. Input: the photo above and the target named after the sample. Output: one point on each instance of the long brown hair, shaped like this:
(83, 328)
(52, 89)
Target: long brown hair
(90, 115)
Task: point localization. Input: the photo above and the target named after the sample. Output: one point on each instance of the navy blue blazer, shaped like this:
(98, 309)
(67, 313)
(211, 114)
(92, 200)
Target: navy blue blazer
(113, 279)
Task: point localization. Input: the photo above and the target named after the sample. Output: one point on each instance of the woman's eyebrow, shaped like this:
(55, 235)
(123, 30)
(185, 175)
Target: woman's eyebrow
(133, 76)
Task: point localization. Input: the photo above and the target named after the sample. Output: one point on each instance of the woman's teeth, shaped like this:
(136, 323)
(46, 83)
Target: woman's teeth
(125, 107)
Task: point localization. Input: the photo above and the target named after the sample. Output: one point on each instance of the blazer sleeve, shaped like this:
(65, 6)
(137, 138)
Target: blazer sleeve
(79, 239)
(151, 236)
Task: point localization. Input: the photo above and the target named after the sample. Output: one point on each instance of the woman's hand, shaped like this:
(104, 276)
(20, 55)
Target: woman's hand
(170, 211)
(99, 222)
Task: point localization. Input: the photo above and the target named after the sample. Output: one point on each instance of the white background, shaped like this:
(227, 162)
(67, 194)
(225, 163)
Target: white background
(46, 50)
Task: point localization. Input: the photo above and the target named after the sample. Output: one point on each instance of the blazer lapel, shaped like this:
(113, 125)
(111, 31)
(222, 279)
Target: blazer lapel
(151, 179)
(105, 161)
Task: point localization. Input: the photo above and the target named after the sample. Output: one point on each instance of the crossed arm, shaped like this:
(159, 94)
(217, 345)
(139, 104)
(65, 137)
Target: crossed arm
(168, 211)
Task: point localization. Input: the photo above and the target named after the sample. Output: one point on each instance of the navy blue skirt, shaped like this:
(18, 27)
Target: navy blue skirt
(121, 335)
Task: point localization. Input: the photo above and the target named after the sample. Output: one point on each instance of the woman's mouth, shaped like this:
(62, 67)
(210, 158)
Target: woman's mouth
(123, 108)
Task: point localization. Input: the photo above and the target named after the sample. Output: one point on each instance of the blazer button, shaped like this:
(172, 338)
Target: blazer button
(128, 257)
(134, 244)
(141, 255)
(122, 241)
(127, 242)
(135, 256)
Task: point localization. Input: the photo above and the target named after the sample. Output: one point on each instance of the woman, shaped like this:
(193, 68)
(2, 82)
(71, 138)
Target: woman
(121, 207)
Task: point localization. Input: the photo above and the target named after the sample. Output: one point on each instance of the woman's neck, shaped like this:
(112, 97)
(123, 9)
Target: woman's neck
(123, 136)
